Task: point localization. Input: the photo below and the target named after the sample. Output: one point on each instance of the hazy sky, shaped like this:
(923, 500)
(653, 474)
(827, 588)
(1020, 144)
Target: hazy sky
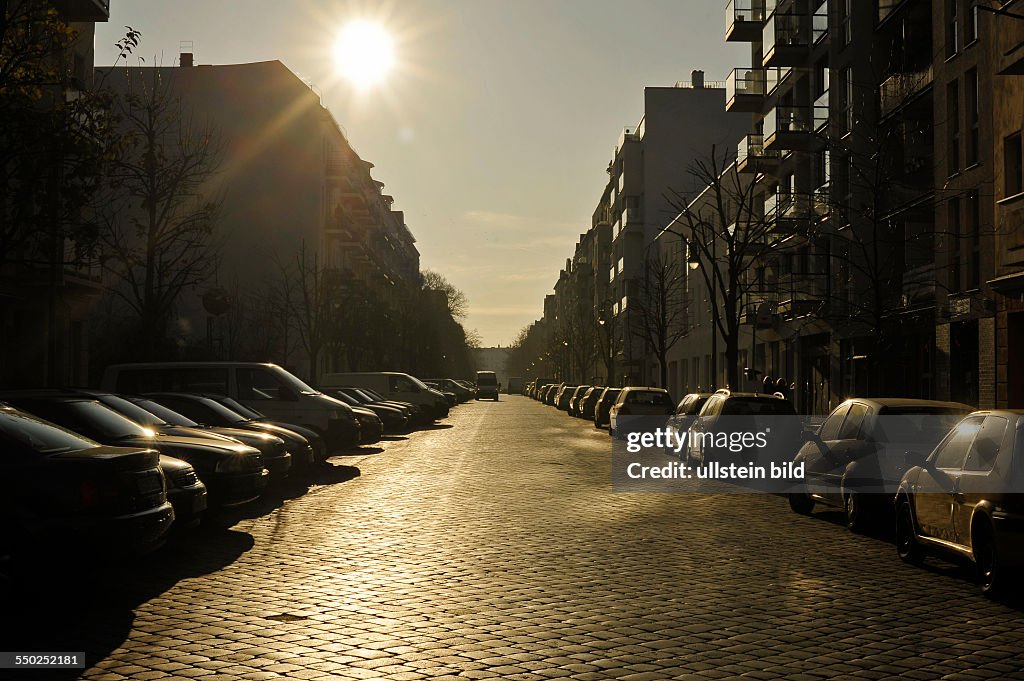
(495, 128)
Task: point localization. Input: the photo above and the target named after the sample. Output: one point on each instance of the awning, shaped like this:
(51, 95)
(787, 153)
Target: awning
(1010, 283)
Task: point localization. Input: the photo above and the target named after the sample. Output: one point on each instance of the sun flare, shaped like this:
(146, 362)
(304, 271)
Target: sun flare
(364, 53)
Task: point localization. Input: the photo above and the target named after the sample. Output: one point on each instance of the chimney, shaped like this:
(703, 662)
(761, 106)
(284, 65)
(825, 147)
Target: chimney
(186, 59)
(697, 80)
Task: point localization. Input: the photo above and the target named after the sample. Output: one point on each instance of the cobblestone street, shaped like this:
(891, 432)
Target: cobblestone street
(493, 547)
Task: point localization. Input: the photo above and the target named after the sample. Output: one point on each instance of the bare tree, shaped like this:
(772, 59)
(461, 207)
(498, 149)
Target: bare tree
(661, 308)
(728, 240)
(156, 224)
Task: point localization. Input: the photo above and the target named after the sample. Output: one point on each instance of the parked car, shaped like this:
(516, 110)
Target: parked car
(392, 417)
(233, 473)
(296, 444)
(637, 401)
(417, 414)
(590, 402)
(685, 413)
(965, 499)
(280, 429)
(576, 398)
(604, 406)
(266, 388)
(461, 392)
(856, 458)
(63, 490)
(563, 396)
(277, 458)
(394, 386)
(731, 412)
(486, 385)
(452, 398)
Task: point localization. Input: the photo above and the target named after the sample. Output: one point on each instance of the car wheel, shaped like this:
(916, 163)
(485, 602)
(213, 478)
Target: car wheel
(986, 557)
(801, 502)
(853, 506)
(907, 547)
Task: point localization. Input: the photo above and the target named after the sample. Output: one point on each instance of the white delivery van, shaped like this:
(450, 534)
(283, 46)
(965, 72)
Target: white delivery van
(267, 388)
(393, 385)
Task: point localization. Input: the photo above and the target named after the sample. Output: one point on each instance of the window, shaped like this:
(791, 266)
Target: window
(953, 124)
(985, 448)
(845, 109)
(953, 451)
(971, 27)
(1013, 165)
(401, 384)
(973, 117)
(262, 384)
(830, 429)
(854, 422)
(845, 23)
(952, 29)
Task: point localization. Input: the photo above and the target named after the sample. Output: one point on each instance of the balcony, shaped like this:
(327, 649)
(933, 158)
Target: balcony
(745, 90)
(84, 10)
(786, 40)
(788, 128)
(751, 156)
(787, 214)
(759, 310)
(900, 88)
(799, 305)
(743, 20)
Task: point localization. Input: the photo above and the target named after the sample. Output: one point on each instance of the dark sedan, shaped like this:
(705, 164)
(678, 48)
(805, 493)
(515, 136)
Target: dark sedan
(393, 419)
(64, 492)
(604, 406)
(277, 457)
(232, 472)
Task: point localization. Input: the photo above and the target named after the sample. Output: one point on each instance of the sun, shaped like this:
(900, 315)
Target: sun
(364, 53)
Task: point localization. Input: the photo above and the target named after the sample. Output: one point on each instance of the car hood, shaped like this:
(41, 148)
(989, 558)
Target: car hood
(111, 458)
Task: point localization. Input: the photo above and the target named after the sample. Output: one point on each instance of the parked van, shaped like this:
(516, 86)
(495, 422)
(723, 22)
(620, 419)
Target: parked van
(394, 386)
(487, 385)
(267, 388)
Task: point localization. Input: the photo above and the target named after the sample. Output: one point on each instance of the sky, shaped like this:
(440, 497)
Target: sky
(493, 129)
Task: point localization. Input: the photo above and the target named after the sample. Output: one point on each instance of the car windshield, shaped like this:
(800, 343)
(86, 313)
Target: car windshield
(169, 415)
(346, 398)
(651, 397)
(133, 411)
(371, 395)
(757, 406)
(106, 422)
(292, 382)
(229, 416)
(234, 405)
(38, 435)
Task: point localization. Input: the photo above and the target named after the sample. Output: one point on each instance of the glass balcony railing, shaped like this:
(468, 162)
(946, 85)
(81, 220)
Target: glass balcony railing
(745, 81)
(786, 39)
(819, 23)
(899, 88)
(785, 120)
(751, 153)
(743, 19)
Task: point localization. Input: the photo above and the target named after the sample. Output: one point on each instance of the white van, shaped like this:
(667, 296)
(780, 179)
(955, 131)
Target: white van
(267, 388)
(393, 385)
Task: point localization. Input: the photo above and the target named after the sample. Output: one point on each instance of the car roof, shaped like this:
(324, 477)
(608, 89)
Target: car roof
(62, 394)
(907, 402)
(641, 387)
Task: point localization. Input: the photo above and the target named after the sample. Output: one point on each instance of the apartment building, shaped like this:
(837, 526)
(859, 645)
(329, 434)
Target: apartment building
(1006, 52)
(291, 184)
(48, 289)
(650, 168)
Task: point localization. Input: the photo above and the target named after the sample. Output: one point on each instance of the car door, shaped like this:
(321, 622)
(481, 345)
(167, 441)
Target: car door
(937, 482)
(701, 426)
(976, 481)
(817, 455)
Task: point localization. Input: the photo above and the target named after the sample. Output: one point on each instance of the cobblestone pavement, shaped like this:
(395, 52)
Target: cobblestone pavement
(495, 548)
